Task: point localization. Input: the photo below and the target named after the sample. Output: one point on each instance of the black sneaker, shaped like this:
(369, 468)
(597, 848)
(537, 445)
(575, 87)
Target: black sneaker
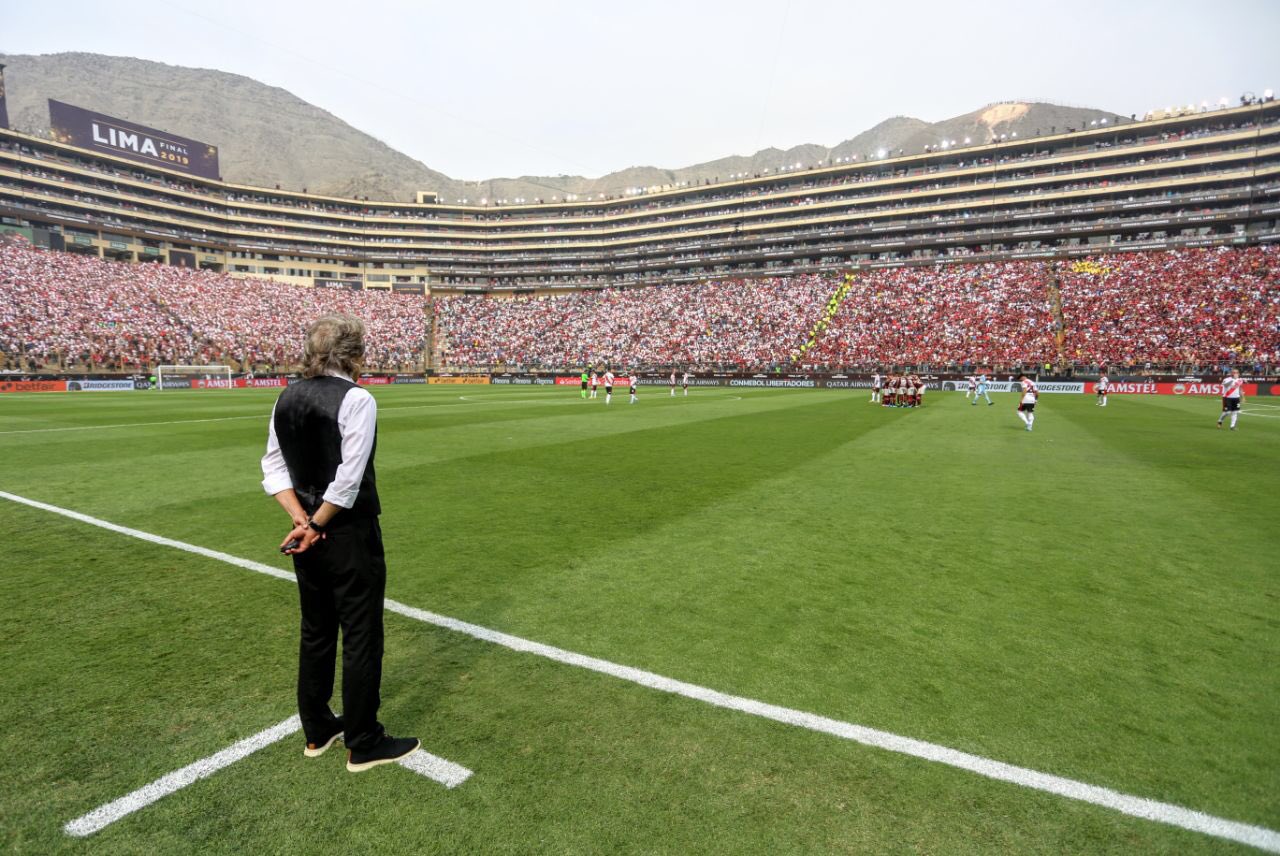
(315, 750)
(385, 751)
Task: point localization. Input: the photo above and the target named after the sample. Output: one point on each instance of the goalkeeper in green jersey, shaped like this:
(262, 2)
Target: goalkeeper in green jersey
(584, 383)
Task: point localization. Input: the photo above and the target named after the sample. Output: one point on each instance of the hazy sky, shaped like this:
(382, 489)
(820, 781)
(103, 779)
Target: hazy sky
(479, 90)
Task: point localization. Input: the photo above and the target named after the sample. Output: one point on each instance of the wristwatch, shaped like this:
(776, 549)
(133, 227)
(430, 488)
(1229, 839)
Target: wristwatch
(315, 527)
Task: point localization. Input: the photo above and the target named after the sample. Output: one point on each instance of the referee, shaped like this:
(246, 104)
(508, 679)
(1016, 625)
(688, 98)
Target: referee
(319, 467)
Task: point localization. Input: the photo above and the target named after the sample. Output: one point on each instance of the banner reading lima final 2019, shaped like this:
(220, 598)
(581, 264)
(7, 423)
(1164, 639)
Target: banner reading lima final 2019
(79, 127)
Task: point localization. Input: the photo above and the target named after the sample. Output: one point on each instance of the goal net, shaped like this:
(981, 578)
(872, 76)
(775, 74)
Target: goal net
(193, 377)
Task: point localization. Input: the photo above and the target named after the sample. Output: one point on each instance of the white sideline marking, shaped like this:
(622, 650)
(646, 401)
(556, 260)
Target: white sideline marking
(421, 762)
(442, 770)
(105, 815)
(1147, 809)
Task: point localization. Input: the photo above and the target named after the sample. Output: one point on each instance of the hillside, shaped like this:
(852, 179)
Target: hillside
(268, 136)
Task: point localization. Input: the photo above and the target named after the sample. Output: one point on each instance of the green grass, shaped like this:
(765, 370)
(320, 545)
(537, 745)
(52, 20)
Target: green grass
(1097, 599)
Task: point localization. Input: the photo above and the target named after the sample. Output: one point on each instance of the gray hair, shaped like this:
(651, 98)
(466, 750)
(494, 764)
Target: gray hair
(334, 343)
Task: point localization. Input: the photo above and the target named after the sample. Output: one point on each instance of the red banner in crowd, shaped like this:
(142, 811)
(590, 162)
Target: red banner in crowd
(374, 380)
(1163, 388)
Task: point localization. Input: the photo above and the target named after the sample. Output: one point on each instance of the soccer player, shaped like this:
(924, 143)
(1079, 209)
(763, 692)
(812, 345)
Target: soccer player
(1101, 388)
(875, 387)
(595, 381)
(1027, 405)
(608, 385)
(982, 390)
(971, 388)
(1232, 395)
(633, 380)
(684, 381)
(673, 383)
(584, 384)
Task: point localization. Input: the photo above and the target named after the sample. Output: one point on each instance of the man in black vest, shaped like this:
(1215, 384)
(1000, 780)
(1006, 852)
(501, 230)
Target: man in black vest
(319, 467)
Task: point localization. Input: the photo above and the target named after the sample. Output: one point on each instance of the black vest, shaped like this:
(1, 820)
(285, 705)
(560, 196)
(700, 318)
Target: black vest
(306, 423)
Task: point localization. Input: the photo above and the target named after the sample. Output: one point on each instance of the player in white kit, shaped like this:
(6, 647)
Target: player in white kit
(595, 381)
(1232, 395)
(673, 383)
(1101, 388)
(608, 386)
(1027, 404)
(633, 381)
(684, 381)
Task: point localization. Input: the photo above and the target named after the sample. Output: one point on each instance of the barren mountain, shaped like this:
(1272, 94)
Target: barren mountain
(267, 136)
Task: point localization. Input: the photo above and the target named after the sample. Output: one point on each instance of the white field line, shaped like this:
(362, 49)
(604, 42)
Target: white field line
(1140, 807)
(421, 762)
(105, 815)
(443, 771)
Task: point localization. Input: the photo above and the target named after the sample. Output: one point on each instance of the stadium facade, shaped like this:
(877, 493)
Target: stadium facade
(1192, 179)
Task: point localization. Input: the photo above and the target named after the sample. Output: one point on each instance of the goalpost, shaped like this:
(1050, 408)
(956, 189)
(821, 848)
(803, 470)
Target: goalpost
(193, 377)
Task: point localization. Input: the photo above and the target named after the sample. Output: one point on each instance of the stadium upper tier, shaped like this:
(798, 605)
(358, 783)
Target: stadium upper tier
(1196, 179)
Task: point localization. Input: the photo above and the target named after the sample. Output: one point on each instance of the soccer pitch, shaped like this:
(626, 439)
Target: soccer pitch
(1096, 600)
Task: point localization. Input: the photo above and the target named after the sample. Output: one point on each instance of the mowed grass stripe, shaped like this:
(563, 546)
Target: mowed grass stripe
(1134, 806)
(799, 627)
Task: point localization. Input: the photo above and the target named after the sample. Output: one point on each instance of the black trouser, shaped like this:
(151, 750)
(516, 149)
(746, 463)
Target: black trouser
(341, 580)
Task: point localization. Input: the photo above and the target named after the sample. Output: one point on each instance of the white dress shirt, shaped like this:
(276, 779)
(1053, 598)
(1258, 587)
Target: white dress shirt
(357, 421)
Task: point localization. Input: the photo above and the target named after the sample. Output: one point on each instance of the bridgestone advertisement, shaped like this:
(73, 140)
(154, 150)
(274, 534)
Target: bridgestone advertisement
(76, 126)
(100, 385)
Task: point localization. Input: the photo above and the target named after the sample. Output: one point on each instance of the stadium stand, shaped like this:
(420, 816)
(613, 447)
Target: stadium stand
(726, 325)
(65, 311)
(1190, 179)
(1083, 248)
(1169, 308)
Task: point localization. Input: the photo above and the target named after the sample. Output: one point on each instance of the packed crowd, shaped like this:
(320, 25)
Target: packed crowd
(1213, 306)
(995, 313)
(1204, 307)
(727, 324)
(62, 310)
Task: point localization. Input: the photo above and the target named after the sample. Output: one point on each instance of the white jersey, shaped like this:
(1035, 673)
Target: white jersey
(1232, 387)
(608, 378)
(633, 381)
(685, 379)
(1102, 384)
(1029, 391)
(876, 380)
(973, 383)
(673, 378)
